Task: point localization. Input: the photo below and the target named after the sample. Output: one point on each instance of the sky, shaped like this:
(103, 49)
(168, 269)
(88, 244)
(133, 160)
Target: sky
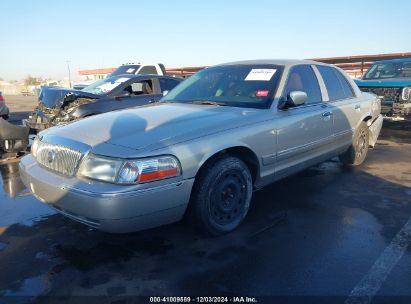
(37, 38)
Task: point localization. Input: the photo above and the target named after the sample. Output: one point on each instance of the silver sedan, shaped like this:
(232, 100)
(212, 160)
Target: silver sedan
(204, 149)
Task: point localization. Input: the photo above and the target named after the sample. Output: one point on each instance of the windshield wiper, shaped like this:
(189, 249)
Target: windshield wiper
(208, 102)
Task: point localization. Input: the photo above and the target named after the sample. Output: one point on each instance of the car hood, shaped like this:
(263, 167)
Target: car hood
(56, 97)
(398, 82)
(153, 127)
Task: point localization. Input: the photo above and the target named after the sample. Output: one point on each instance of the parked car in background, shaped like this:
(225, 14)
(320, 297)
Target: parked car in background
(204, 148)
(60, 105)
(129, 69)
(4, 110)
(391, 81)
(140, 69)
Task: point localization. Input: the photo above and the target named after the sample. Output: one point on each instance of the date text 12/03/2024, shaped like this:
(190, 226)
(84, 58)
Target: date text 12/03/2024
(239, 299)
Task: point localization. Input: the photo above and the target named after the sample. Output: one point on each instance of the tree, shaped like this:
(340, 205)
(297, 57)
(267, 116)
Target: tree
(31, 81)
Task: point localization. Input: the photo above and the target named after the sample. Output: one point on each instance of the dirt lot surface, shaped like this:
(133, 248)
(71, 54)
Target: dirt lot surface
(325, 235)
(20, 106)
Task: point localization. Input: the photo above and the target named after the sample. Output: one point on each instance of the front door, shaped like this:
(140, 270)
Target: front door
(306, 131)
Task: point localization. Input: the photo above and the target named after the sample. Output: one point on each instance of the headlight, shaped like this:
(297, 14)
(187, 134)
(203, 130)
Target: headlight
(100, 168)
(34, 146)
(406, 93)
(129, 171)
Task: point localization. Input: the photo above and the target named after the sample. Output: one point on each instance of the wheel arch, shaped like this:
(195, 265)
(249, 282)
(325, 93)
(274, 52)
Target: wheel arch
(241, 152)
(366, 117)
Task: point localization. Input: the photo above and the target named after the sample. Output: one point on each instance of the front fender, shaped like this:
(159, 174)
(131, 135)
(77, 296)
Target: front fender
(84, 111)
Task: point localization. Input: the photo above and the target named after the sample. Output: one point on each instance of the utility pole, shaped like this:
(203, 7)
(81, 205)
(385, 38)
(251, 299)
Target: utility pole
(69, 74)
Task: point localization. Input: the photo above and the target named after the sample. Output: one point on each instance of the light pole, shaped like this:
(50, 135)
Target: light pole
(69, 74)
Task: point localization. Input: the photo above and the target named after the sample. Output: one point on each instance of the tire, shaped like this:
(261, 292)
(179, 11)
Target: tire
(221, 196)
(357, 152)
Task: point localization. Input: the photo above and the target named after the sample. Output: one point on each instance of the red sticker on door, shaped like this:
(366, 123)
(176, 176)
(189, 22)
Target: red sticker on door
(262, 93)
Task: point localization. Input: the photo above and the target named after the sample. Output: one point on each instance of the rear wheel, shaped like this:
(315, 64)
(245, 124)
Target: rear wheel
(357, 152)
(221, 196)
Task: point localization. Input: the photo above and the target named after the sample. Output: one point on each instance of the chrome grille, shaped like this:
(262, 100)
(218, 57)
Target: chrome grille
(58, 158)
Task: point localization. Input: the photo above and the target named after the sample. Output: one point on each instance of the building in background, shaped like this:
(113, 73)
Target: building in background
(95, 74)
(355, 66)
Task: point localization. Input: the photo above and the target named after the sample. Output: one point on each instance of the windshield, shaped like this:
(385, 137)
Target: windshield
(126, 69)
(250, 86)
(105, 86)
(389, 70)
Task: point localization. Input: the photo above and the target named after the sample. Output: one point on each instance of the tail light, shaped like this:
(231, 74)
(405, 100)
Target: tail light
(2, 98)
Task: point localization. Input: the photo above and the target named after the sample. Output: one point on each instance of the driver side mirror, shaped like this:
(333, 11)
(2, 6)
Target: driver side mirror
(294, 99)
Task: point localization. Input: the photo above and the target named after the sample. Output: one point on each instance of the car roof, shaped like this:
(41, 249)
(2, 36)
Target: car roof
(143, 76)
(394, 60)
(283, 62)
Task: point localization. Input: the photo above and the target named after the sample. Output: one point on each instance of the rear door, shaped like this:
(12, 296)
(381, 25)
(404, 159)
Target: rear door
(346, 107)
(305, 131)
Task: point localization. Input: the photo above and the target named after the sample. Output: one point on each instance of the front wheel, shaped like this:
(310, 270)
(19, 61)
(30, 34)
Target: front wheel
(357, 152)
(221, 196)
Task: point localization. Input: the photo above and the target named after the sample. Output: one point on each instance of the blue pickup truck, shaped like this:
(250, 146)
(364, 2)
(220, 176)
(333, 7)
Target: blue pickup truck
(391, 81)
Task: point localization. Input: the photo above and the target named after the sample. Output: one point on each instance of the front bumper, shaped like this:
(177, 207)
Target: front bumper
(115, 211)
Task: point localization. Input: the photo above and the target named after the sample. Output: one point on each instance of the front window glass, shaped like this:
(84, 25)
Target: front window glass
(251, 86)
(105, 86)
(140, 88)
(389, 70)
(302, 78)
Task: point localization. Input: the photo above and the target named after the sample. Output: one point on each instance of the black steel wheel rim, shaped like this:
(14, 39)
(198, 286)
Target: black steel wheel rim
(228, 198)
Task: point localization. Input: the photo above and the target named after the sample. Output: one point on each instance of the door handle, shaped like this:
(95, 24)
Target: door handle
(357, 107)
(327, 114)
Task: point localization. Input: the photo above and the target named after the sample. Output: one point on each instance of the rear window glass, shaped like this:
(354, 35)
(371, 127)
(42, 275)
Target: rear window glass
(126, 69)
(168, 84)
(348, 90)
(149, 69)
(332, 83)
